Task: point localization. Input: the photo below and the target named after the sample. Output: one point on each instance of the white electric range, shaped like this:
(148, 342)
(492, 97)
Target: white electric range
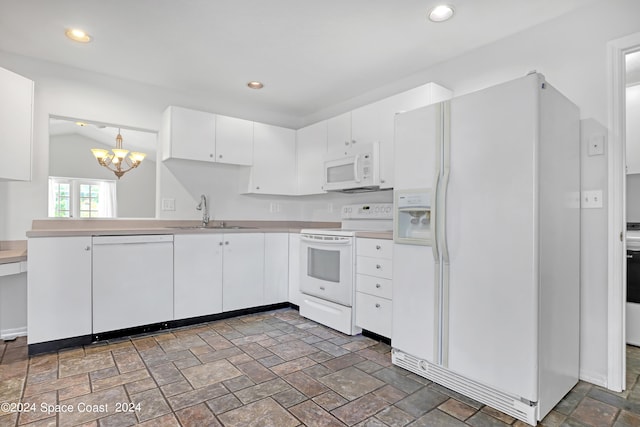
(327, 265)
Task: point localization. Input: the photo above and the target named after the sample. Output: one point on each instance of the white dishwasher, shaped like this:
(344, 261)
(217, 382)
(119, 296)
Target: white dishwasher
(132, 281)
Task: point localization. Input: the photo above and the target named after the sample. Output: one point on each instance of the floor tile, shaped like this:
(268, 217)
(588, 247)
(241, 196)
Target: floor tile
(263, 413)
(421, 402)
(274, 368)
(313, 415)
(224, 403)
(360, 409)
(595, 413)
(210, 373)
(196, 416)
(351, 383)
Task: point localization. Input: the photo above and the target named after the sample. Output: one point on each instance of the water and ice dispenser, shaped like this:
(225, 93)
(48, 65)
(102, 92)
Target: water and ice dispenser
(412, 217)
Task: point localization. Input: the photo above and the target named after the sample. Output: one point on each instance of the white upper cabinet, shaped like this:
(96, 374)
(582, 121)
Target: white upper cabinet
(16, 126)
(339, 133)
(234, 140)
(311, 144)
(188, 134)
(274, 160)
(198, 135)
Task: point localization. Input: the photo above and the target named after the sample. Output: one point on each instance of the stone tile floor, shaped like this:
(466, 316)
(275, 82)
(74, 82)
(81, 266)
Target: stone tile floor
(268, 369)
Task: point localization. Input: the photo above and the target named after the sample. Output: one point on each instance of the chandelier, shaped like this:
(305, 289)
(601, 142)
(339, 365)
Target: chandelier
(118, 162)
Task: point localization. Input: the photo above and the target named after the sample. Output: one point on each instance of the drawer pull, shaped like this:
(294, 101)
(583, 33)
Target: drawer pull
(378, 285)
(378, 266)
(378, 247)
(377, 305)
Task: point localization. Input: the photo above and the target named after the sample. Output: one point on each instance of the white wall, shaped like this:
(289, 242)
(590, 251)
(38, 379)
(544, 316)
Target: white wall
(13, 305)
(593, 262)
(70, 156)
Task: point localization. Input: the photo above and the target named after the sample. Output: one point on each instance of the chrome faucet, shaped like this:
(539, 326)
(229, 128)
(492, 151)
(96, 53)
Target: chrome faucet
(202, 206)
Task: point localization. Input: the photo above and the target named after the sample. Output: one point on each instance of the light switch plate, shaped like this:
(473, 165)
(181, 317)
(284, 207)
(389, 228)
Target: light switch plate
(596, 145)
(168, 204)
(592, 199)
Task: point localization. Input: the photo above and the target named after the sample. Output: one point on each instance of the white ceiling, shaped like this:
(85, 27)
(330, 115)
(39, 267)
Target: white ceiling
(309, 54)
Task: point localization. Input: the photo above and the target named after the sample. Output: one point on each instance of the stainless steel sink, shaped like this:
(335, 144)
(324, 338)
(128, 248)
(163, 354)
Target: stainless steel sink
(200, 227)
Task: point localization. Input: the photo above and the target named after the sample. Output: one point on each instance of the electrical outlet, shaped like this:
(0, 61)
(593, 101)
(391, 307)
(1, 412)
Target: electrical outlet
(168, 204)
(592, 199)
(596, 145)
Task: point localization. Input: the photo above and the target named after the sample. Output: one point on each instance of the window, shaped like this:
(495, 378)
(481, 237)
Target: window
(81, 198)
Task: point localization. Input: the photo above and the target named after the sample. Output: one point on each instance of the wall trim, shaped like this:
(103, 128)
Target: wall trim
(9, 334)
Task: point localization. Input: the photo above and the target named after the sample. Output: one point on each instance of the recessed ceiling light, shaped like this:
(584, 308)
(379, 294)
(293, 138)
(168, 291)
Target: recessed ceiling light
(77, 35)
(81, 124)
(255, 85)
(441, 13)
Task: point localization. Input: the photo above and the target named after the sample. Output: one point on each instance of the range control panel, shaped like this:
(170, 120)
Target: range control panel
(368, 211)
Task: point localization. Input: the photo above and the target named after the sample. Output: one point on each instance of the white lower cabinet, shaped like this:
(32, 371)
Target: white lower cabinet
(197, 275)
(243, 271)
(276, 268)
(58, 288)
(132, 281)
(374, 285)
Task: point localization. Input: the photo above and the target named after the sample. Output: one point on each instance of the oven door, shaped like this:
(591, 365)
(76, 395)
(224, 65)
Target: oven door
(326, 267)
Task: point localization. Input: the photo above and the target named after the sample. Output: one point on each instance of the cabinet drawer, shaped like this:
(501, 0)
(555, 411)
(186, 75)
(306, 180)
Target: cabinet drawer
(375, 286)
(374, 248)
(378, 267)
(373, 314)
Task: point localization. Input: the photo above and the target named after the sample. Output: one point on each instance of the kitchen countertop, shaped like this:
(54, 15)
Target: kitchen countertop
(13, 251)
(387, 235)
(113, 227)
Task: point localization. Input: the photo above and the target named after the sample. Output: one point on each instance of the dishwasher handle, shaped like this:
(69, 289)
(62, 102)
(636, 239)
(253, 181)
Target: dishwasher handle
(132, 239)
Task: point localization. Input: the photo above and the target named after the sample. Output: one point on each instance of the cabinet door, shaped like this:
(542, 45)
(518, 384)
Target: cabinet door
(295, 296)
(311, 147)
(191, 134)
(58, 288)
(197, 263)
(276, 268)
(234, 141)
(243, 271)
(16, 126)
(339, 134)
(274, 159)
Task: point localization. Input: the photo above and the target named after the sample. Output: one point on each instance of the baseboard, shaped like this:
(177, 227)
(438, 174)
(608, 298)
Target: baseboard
(9, 334)
(593, 378)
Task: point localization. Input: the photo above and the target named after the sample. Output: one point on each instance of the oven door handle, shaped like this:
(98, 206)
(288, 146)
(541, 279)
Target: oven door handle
(346, 241)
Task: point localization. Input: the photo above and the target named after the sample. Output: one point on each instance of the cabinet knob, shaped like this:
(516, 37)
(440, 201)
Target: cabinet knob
(220, 156)
(210, 155)
(220, 243)
(258, 187)
(346, 143)
(378, 266)
(382, 181)
(226, 243)
(377, 305)
(353, 141)
(378, 285)
(87, 248)
(378, 247)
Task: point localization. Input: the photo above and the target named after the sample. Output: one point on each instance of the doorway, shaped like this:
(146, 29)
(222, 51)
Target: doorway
(618, 50)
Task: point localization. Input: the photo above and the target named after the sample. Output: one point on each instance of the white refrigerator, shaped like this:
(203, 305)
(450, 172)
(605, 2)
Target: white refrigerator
(490, 308)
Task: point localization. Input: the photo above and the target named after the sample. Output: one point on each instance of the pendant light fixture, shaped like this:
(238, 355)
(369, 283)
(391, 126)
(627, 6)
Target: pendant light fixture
(118, 162)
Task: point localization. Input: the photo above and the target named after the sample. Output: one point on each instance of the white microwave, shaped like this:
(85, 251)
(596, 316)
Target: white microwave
(355, 171)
